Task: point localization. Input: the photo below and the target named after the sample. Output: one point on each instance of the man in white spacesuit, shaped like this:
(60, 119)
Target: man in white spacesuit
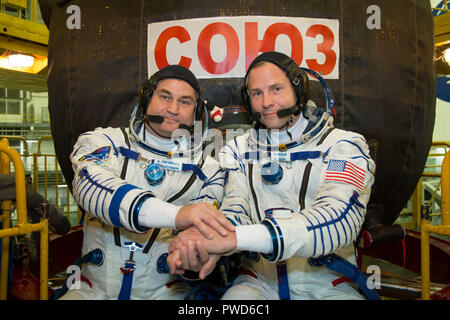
(307, 185)
(140, 184)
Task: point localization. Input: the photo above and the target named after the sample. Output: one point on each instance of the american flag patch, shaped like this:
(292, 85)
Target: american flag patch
(347, 172)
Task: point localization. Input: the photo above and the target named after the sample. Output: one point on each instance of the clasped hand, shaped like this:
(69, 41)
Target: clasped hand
(205, 217)
(193, 250)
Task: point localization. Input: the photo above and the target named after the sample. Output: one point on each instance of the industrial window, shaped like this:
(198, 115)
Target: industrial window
(13, 107)
(11, 101)
(14, 94)
(45, 114)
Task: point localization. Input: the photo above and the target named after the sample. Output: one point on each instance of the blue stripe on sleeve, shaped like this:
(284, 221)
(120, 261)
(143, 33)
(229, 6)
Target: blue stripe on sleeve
(337, 232)
(321, 231)
(85, 173)
(358, 212)
(76, 151)
(204, 196)
(315, 235)
(103, 205)
(229, 210)
(359, 148)
(114, 207)
(216, 179)
(85, 194)
(232, 222)
(212, 184)
(367, 161)
(215, 174)
(315, 243)
(334, 225)
(350, 227)
(90, 199)
(242, 207)
(329, 232)
(81, 186)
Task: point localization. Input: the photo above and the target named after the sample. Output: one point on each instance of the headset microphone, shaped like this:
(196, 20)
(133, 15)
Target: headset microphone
(153, 118)
(160, 119)
(295, 109)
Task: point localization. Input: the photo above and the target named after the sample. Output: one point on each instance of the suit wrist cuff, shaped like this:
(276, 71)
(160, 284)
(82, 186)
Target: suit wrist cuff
(277, 239)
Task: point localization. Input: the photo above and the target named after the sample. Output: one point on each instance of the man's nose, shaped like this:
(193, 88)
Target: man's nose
(173, 107)
(267, 100)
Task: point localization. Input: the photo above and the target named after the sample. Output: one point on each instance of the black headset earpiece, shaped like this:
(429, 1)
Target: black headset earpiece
(300, 83)
(199, 109)
(146, 92)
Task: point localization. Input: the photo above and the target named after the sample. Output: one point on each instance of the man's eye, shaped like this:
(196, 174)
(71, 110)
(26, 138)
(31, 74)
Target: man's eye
(186, 102)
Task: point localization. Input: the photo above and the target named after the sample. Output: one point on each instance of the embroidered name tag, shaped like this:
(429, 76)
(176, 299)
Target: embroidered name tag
(169, 165)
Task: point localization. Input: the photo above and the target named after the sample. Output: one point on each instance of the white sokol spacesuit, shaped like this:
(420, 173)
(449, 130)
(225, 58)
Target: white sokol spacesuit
(314, 207)
(118, 198)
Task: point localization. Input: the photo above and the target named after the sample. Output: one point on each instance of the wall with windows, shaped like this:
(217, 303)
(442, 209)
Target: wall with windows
(25, 114)
(11, 105)
(23, 107)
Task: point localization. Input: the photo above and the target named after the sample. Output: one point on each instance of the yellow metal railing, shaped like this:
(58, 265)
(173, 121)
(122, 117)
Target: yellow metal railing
(443, 228)
(35, 168)
(417, 198)
(46, 162)
(5, 218)
(25, 143)
(56, 171)
(23, 226)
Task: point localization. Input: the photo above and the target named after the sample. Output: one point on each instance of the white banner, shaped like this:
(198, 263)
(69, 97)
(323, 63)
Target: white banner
(223, 47)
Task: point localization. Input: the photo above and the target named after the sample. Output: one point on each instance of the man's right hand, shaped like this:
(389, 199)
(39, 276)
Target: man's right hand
(217, 245)
(194, 257)
(205, 217)
(190, 250)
